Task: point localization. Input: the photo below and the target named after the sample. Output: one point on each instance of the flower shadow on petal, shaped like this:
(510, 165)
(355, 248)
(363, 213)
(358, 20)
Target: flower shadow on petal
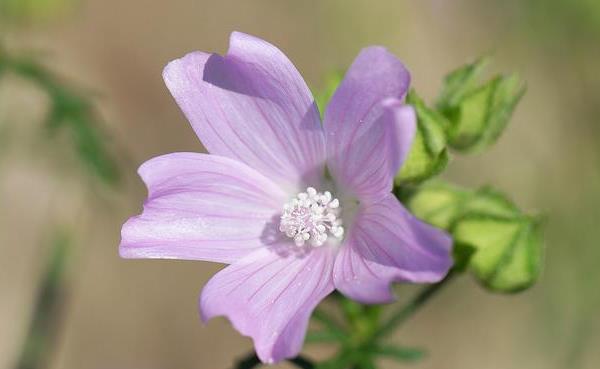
(279, 243)
(232, 75)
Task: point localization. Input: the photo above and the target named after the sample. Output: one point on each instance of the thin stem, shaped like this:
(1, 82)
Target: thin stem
(411, 307)
(44, 325)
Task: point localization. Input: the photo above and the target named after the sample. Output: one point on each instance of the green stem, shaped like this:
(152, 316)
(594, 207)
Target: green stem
(44, 326)
(411, 307)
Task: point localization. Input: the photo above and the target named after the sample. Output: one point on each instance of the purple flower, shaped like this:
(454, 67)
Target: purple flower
(298, 208)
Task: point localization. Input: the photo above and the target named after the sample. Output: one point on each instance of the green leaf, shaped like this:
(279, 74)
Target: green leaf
(492, 237)
(477, 114)
(332, 81)
(402, 354)
(428, 155)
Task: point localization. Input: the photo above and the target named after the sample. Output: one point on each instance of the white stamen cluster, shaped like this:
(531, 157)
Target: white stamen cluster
(310, 216)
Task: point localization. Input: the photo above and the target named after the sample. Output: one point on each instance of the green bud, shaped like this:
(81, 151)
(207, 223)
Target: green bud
(477, 114)
(492, 238)
(428, 155)
(507, 255)
(459, 83)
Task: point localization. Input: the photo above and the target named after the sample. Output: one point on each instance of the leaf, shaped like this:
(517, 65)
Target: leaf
(492, 237)
(428, 155)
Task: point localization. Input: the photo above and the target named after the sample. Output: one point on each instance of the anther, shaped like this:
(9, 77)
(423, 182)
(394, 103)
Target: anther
(310, 217)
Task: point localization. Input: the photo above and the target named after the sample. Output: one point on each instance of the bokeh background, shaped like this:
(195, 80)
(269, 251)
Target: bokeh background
(136, 314)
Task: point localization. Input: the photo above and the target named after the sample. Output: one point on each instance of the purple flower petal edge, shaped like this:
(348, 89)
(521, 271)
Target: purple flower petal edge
(253, 106)
(366, 128)
(254, 113)
(270, 298)
(201, 207)
(388, 244)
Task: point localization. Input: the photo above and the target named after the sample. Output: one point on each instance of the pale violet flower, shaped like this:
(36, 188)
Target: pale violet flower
(297, 206)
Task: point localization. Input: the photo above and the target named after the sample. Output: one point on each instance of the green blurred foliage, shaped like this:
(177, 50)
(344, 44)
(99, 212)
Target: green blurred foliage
(32, 10)
(323, 95)
(560, 18)
(493, 239)
(70, 112)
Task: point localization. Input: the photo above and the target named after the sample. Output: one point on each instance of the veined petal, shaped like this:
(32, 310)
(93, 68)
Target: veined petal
(201, 207)
(368, 130)
(388, 244)
(252, 105)
(269, 297)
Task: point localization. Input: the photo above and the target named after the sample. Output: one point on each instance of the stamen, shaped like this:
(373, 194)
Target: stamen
(310, 216)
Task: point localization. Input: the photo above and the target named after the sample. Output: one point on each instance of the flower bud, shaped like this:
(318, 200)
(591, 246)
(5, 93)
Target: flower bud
(493, 239)
(477, 114)
(428, 155)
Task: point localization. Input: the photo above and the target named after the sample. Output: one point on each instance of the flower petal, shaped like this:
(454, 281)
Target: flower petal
(388, 244)
(368, 130)
(269, 296)
(252, 105)
(201, 207)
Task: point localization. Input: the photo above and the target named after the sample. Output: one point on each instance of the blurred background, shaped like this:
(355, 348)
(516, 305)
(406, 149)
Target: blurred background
(82, 104)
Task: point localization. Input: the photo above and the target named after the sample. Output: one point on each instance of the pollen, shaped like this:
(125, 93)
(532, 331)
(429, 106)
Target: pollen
(311, 217)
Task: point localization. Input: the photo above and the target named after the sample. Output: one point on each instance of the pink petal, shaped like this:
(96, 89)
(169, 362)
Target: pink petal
(388, 244)
(252, 105)
(202, 207)
(368, 130)
(270, 297)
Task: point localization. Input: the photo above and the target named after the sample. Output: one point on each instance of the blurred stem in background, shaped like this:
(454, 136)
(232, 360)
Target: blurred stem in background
(47, 313)
(71, 114)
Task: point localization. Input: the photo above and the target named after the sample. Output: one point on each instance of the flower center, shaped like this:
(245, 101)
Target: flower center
(310, 217)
